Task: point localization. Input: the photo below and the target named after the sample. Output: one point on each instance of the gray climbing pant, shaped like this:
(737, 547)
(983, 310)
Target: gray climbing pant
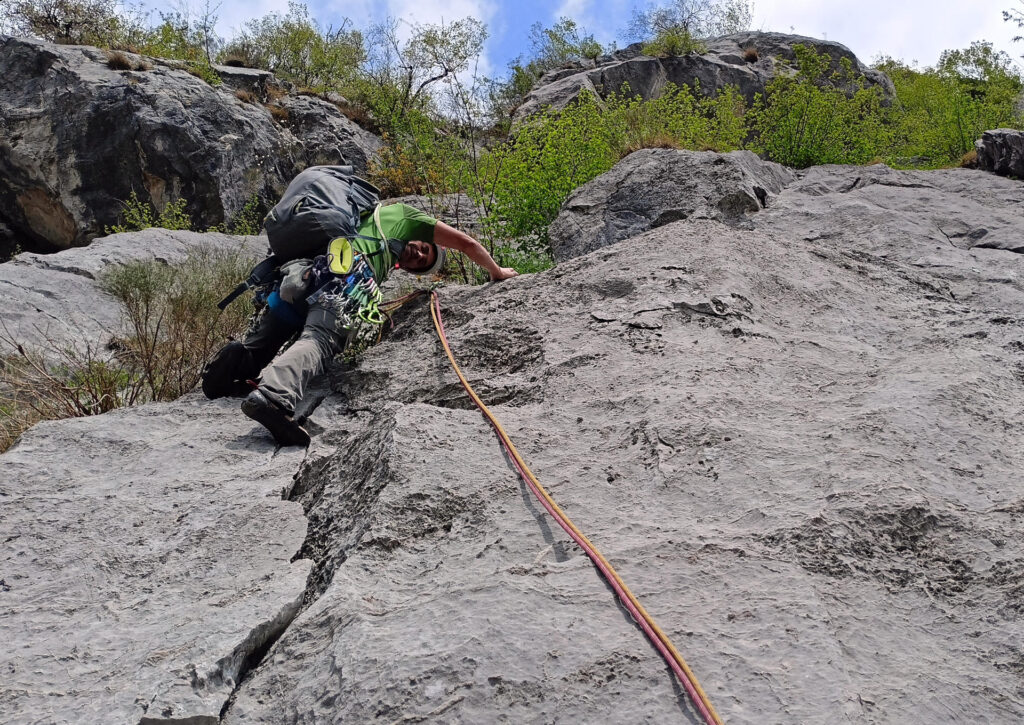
(286, 378)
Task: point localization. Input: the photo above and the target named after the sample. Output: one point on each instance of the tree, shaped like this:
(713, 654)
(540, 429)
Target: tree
(295, 47)
(564, 42)
(70, 22)
(1016, 16)
(399, 75)
(694, 18)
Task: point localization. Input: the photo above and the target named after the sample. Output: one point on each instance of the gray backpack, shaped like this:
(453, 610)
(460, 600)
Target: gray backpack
(321, 203)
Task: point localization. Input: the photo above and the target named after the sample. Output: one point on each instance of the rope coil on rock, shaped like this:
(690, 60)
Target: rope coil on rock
(658, 638)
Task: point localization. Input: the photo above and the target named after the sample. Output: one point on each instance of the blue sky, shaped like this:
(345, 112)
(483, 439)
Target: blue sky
(911, 30)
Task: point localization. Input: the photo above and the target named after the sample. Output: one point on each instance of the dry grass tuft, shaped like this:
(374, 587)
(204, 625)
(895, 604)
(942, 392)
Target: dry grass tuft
(236, 60)
(275, 92)
(750, 54)
(280, 113)
(116, 60)
(244, 96)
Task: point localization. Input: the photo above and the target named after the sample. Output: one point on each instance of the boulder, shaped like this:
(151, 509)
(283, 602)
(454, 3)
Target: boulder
(723, 64)
(79, 136)
(1002, 151)
(52, 301)
(653, 187)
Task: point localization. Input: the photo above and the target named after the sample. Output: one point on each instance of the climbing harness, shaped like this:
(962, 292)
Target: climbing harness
(658, 638)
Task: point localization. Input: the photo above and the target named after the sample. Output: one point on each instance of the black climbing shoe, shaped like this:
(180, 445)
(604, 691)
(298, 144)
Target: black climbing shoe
(285, 430)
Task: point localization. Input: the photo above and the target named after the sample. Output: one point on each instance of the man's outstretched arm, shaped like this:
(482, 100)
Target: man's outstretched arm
(452, 238)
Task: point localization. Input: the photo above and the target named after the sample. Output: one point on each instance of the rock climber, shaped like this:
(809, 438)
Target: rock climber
(321, 204)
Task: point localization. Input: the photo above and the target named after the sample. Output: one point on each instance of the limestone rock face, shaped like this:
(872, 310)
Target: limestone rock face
(1002, 151)
(79, 136)
(145, 560)
(723, 64)
(797, 436)
(327, 136)
(654, 187)
(798, 439)
(55, 298)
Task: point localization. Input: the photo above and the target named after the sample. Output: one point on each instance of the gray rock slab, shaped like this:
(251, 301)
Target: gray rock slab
(145, 559)
(79, 137)
(49, 299)
(1002, 152)
(801, 452)
(653, 187)
(327, 136)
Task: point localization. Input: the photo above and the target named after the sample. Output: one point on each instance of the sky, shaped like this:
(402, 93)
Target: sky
(910, 30)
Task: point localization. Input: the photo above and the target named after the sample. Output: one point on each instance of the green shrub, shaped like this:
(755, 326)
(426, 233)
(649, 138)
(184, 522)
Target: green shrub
(138, 215)
(525, 180)
(815, 116)
(939, 112)
(249, 221)
(172, 327)
(672, 42)
(679, 118)
(294, 46)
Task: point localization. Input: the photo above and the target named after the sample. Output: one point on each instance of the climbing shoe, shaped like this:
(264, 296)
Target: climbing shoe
(281, 425)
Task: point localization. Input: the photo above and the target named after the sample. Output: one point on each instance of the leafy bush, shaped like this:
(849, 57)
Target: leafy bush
(297, 48)
(138, 215)
(526, 180)
(817, 117)
(249, 221)
(679, 118)
(696, 18)
(672, 42)
(70, 382)
(939, 112)
(75, 22)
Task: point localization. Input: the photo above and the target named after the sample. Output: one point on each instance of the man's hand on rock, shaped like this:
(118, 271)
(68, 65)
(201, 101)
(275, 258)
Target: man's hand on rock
(504, 273)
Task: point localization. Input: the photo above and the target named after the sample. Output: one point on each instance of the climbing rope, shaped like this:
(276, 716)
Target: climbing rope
(658, 638)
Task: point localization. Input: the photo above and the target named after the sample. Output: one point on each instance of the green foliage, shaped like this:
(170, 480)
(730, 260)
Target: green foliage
(679, 118)
(400, 77)
(73, 22)
(249, 221)
(939, 112)
(671, 42)
(138, 215)
(564, 42)
(818, 117)
(204, 72)
(294, 46)
(527, 179)
(1015, 16)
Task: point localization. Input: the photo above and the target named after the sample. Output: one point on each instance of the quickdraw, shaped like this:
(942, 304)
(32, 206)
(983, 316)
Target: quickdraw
(354, 293)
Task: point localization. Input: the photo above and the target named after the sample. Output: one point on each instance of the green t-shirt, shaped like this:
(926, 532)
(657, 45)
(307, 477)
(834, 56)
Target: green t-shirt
(398, 221)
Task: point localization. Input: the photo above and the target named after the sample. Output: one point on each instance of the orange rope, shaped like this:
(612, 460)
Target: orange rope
(646, 622)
